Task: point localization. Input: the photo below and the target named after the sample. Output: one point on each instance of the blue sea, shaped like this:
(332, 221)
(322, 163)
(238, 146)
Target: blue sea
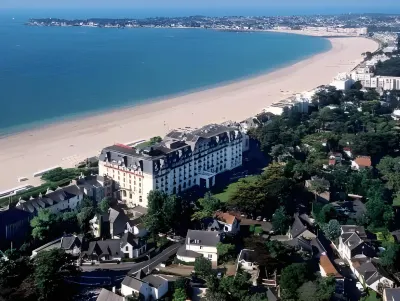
(49, 74)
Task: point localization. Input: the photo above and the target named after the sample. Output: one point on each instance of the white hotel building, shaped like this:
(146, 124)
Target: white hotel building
(185, 158)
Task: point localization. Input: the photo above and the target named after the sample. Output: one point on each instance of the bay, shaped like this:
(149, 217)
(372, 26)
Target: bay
(49, 74)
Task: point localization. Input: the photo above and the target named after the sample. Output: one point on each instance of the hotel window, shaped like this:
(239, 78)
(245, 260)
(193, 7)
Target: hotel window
(140, 191)
(140, 199)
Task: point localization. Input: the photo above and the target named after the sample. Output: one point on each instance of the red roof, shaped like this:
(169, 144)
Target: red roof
(225, 217)
(328, 267)
(363, 161)
(123, 145)
(347, 149)
(332, 161)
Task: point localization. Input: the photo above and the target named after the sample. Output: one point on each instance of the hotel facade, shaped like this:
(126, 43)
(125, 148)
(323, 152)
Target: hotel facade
(183, 159)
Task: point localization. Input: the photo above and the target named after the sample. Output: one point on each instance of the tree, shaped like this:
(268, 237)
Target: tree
(202, 266)
(50, 268)
(332, 229)
(42, 223)
(326, 214)
(280, 221)
(319, 186)
(277, 151)
(390, 256)
(379, 214)
(104, 205)
(207, 207)
(357, 85)
(179, 295)
(84, 216)
(326, 288)
(225, 250)
(292, 277)
(155, 140)
(389, 168)
(307, 291)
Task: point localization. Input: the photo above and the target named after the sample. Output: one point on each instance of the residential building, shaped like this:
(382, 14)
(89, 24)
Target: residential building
(361, 162)
(391, 294)
(199, 243)
(247, 260)
(352, 242)
(299, 229)
(62, 199)
(106, 295)
(371, 274)
(132, 246)
(72, 244)
(95, 187)
(136, 227)
(118, 220)
(342, 82)
(228, 222)
(183, 159)
(14, 225)
(103, 250)
(150, 287)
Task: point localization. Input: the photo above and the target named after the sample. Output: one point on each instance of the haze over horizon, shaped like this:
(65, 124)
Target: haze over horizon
(284, 6)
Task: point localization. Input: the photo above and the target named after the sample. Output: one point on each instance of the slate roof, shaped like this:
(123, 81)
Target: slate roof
(248, 255)
(69, 241)
(392, 294)
(104, 247)
(187, 253)
(205, 238)
(106, 295)
(297, 227)
(352, 240)
(133, 283)
(129, 238)
(154, 280)
(136, 281)
(119, 219)
(360, 230)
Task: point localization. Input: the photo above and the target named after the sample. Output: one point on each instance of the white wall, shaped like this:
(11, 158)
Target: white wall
(207, 252)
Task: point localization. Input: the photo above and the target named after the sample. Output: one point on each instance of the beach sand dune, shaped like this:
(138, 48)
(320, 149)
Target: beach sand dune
(69, 142)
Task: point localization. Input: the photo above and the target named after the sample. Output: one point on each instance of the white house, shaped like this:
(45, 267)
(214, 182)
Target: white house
(342, 81)
(150, 287)
(199, 243)
(136, 227)
(351, 241)
(132, 246)
(247, 260)
(72, 244)
(62, 199)
(106, 295)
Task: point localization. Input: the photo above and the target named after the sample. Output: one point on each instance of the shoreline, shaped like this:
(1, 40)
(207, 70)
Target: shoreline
(71, 141)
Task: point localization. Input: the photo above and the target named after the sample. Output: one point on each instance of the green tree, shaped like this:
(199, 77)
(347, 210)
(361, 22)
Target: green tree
(307, 291)
(379, 214)
(389, 168)
(318, 186)
(326, 214)
(50, 268)
(280, 221)
(179, 295)
(326, 288)
(292, 278)
(84, 216)
(104, 205)
(155, 140)
(225, 251)
(390, 256)
(207, 207)
(332, 229)
(42, 223)
(202, 266)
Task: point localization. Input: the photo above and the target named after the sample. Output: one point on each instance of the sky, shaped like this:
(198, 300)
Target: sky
(322, 6)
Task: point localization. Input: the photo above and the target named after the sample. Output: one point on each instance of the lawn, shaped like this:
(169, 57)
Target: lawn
(396, 202)
(380, 236)
(372, 296)
(228, 191)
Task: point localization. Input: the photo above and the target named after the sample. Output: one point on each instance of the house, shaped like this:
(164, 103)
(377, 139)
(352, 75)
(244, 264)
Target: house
(132, 246)
(299, 229)
(199, 243)
(371, 274)
(327, 268)
(335, 158)
(150, 287)
(247, 260)
(391, 294)
(351, 242)
(95, 187)
(103, 250)
(136, 227)
(361, 162)
(100, 225)
(14, 225)
(231, 224)
(348, 152)
(62, 199)
(106, 295)
(117, 220)
(72, 244)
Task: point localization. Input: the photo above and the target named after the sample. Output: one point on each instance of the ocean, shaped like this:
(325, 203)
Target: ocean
(48, 74)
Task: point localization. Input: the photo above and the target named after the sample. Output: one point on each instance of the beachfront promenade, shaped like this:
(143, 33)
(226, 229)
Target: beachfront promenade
(64, 144)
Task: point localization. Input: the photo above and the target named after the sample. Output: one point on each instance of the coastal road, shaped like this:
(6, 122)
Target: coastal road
(113, 274)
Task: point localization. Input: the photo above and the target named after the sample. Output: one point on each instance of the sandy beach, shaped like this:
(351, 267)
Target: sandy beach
(67, 143)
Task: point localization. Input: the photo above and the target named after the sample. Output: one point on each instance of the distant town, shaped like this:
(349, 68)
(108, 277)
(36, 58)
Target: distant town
(343, 23)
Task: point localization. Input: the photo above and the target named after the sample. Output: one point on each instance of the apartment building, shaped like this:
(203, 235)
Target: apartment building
(183, 159)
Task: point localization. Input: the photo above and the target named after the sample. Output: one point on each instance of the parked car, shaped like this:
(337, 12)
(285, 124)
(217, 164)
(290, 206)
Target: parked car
(259, 218)
(360, 286)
